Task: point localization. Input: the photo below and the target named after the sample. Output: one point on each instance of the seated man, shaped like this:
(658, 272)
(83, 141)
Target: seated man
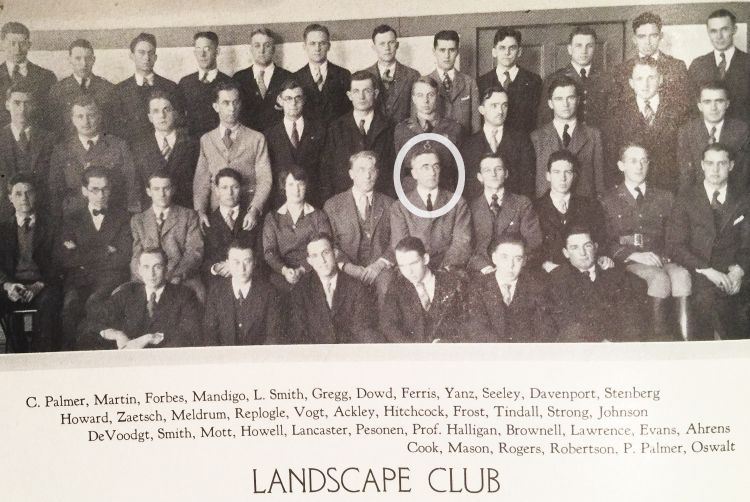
(94, 252)
(226, 225)
(421, 306)
(154, 313)
(509, 306)
(361, 227)
(326, 306)
(173, 228)
(446, 238)
(709, 234)
(243, 310)
(636, 215)
(498, 211)
(590, 304)
(27, 272)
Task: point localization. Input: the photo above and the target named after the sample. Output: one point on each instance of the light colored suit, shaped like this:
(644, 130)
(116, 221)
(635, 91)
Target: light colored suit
(248, 155)
(462, 105)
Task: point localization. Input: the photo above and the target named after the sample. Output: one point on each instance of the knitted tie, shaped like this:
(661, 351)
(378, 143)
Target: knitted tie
(712, 138)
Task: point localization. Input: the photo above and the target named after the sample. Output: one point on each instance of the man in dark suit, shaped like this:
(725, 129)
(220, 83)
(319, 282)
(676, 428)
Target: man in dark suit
(260, 83)
(15, 38)
(28, 275)
(365, 128)
(524, 88)
(496, 137)
(709, 234)
(566, 131)
(588, 75)
(328, 306)
(166, 148)
(243, 309)
(589, 303)
(508, 305)
(94, 250)
(325, 83)
(458, 92)
(726, 63)
(81, 81)
(198, 89)
(297, 140)
(132, 93)
(24, 147)
(394, 80)
(498, 211)
(650, 119)
(647, 36)
(713, 126)
(154, 313)
(421, 306)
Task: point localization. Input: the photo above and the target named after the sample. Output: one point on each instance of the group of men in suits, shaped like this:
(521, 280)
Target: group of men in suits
(585, 172)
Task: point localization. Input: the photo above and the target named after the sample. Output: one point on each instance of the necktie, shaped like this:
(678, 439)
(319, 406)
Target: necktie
(166, 149)
(91, 145)
(230, 219)
(295, 135)
(505, 290)
(424, 297)
(146, 85)
(240, 296)
(387, 79)
(564, 206)
(494, 206)
(447, 84)
(329, 294)
(262, 84)
(648, 113)
(160, 222)
(639, 196)
(204, 78)
(566, 136)
(26, 224)
(493, 140)
(362, 127)
(151, 305)
(97, 212)
(227, 139)
(590, 274)
(319, 80)
(368, 208)
(427, 126)
(83, 85)
(712, 139)
(16, 73)
(429, 202)
(722, 65)
(584, 76)
(506, 81)
(715, 203)
(23, 141)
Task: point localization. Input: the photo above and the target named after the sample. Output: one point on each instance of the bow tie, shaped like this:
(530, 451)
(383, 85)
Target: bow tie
(97, 212)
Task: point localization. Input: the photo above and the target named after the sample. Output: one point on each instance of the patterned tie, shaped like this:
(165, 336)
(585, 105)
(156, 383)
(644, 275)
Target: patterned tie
(227, 139)
(590, 274)
(27, 224)
(507, 296)
(368, 208)
(506, 81)
(584, 76)
(295, 135)
(638, 196)
(648, 113)
(566, 136)
(329, 294)
(262, 84)
(151, 305)
(230, 219)
(447, 84)
(429, 202)
(722, 65)
(564, 206)
(362, 128)
(204, 78)
(428, 126)
(712, 139)
(16, 73)
(146, 86)
(23, 141)
(160, 222)
(166, 150)
(494, 206)
(493, 141)
(424, 297)
(715, 203)
(90, 144)
(84, 87)
(318, 77)
(387, 79)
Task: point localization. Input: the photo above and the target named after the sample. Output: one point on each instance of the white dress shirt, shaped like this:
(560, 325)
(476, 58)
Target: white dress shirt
(23, 68)
(158, 292)
(728, 54)
(719, 126)
(96, 219)
(631, 188)
(560, 201)
(171, 139)
(489, 130)
(210, 74)
(423, 195)
(244, 289)
(85, 141)
(139, 79)
(654, 102)
(267, 73)
(578, 68)
(362, 200)
(559, 125)
(367, 117)
(300, 122)
(17, 132)
(710, 192)
(513, 72)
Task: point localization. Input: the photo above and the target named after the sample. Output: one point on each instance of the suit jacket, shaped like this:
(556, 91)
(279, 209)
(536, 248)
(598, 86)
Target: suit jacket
(526, 320)
(404, 320)
(625, 217)
(447, 238)
(331, 102)
(694, 240)
(592, 104)
(395, 103)
(703, 69)
(523, 97)
(260, 322)
(693, 138)
(177, 315)
(344, 139)
(199, 99)
(40, 81)
(586, 144)
(131, 104)
(40, 147)
(219, 236)
(349, 320)
(517, 151)
(516, 216)
(248, 155)
(260, 112)
(307, 155)
(91, 262)
(180, 165)
(69, 160)
(347, 235)
(63, 93)
(42, 250)
(180, 238)
(462, 104)
(582, 211)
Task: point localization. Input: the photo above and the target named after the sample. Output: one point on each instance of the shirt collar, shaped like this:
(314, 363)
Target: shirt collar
(488, 195)
(729, 54)
(158, 292)
(210, 74)
(490, 129)
(23, 68)
(20, 219)
(306, 209)
(267, 71)
(559, 125)
(557, 198)
(451, 73)
(718, 126)
(578, 68)
(382, 68)
(331, 280)
(234, 211)
(140, 78)
(234, 129)
(366, 116)
(631, 188)
(322, 67)
(85, 141)
(171, 138)
(91, 212)
(423, 195)
(513, 72)
(512, 283)
(79, 79)
(358, 195)
(710, 192)
(654, 102)
(429, 282)
(17, 132)
(245, 289)
(157, 210)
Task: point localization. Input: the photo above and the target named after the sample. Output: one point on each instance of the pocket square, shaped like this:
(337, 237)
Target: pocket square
(738, 220)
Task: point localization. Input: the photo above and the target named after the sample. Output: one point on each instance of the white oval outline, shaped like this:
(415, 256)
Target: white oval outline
(459, 166)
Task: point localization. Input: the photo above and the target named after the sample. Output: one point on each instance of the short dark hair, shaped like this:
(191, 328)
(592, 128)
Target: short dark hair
(142, 37)
(80, 43)
(315, 27)
(159, 173)
(713, 85)
(21, 177)
(320, 236)
(562, 81)
(576, 230)
(487, 94)
(418, 149)
(295, 172)
(21, 86)
(425, 79)
(507, 238)
(645, 62)
(154, 250)
(228, 172)
(491, 155)
(209, 35)
(94, 172)
(718, 147)
(363, 75)
(288, 84)
(582, 30)
(646, 18)
(411, 243)
(363, 154)
(159, 94)
(723, 13)
(449, 35)
(14, 27)
(263, 31)
(561, 155)
(628, 145)
(383, 28)
(504, 32)
(229, 85)
(240, 244)
(84, 100)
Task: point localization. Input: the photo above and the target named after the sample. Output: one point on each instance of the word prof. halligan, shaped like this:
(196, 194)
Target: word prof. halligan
(373, 480)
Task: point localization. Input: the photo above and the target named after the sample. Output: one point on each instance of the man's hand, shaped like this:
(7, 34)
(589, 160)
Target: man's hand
(139, 342)
(487, 270)
(115, 335)
(549, 266)
(69, 245)
(646, 258)
(735, 276)
(204, 219)
(251, 218)
(14, 291)
(721, 281)
(372, 271)
(290, 274)
(111, 249)
(605, 262)
(355, 271)
(30, 292)
(221, 269)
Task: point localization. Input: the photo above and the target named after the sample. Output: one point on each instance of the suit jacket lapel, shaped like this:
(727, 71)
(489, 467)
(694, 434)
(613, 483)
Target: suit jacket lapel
(730, 207)
(459, 84)
(399, 83)
(351, 208)
(578, 139)
(169, 222)
(378, 125)
(493, 300)
(377, 209)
